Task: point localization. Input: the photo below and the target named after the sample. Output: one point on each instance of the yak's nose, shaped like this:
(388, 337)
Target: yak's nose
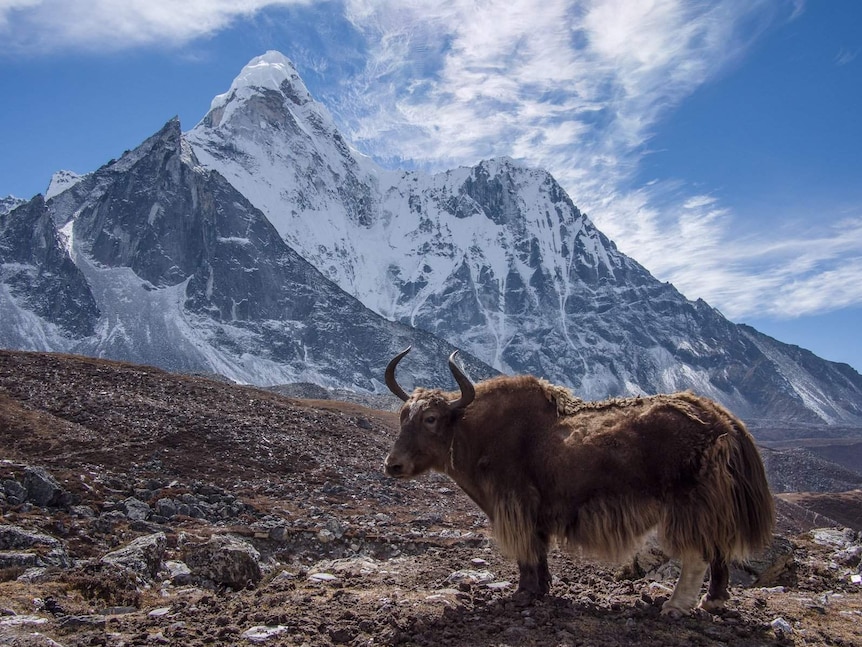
(392, 468)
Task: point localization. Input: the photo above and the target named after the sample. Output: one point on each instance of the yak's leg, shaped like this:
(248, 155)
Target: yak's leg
(687, 590)
(535, 577)
(717, 594)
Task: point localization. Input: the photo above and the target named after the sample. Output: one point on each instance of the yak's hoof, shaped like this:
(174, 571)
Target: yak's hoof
(673, 611)
(525, 597)
(712, 605)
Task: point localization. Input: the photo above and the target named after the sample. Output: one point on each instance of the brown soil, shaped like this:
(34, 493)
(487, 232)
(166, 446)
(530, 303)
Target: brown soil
(109, 431)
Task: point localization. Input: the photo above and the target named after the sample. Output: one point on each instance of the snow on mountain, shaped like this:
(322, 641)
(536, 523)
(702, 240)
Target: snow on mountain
(60, 181)
(495, 258)
(281, 150)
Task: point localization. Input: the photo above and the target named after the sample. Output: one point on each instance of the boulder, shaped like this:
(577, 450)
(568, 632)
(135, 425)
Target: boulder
(179, 572)
(14, 491)
(225, 560)
(48, 550)
(135, 509)
(43, 489)
(143, 556)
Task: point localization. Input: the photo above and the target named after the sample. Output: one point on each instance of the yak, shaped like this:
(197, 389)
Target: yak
(546, 466)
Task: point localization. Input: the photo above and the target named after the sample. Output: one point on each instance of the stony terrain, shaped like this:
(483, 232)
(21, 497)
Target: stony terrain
(144, 508)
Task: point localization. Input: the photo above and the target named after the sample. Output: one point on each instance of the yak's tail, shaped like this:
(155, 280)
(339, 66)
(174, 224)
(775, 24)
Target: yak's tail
(730, 513)
(753, 505)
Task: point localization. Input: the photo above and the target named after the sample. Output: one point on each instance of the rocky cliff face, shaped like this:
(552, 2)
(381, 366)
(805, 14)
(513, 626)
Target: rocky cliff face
(39, 280)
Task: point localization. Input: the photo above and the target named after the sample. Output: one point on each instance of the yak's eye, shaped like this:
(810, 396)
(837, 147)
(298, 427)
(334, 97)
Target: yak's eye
(430, 420)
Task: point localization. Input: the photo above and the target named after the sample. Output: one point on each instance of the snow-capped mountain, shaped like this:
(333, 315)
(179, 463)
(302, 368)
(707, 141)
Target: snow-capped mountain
(259, 245)
(154, 259)
(496, 259)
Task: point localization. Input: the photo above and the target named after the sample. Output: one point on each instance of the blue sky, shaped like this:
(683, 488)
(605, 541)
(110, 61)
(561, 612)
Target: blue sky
(719, 142)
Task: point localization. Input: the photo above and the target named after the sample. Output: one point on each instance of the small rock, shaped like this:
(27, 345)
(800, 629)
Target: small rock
(107, 520)
(179, 572)
(14, 491)
(781, 627)
(78, 622)
(833, 537)
(260, 633)
(352, 565)
(471, 577)
(341, 636)
(322, 577)
(33, 575)
(119, 611)
(83, 511)
(23, 620)
(166, 508)
(18, 559)
(13, 537)
(159, 613)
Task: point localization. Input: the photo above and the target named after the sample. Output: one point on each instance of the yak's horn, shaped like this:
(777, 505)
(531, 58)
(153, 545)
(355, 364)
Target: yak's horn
(390, 375)
(468, 392)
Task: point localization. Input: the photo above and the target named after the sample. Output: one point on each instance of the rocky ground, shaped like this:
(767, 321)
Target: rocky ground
(140, 507)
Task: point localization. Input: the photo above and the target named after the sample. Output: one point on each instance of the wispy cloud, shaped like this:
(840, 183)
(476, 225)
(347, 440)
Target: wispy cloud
(699, 246)
(845, 56)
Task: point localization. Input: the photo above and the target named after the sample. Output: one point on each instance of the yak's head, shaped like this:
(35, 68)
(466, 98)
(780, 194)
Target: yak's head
(428, 418)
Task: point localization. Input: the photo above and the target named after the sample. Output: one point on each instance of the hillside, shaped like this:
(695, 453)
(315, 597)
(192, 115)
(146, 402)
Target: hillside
(143, 507)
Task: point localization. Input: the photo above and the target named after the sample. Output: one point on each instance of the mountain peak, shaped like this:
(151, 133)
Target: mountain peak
(270, 71)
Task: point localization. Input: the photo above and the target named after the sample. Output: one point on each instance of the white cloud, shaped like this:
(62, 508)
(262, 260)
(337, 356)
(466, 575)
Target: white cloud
(103, 25)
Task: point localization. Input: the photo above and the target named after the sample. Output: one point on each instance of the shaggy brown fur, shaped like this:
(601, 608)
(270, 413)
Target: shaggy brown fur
(597, 476)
